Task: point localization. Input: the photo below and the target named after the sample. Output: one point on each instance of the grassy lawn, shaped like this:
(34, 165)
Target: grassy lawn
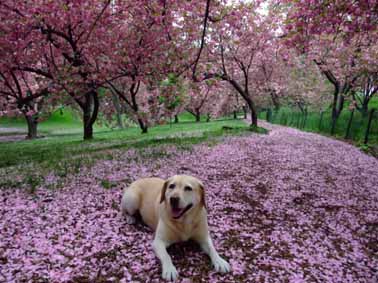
(63, 151)
(58, 123)
(58, 146)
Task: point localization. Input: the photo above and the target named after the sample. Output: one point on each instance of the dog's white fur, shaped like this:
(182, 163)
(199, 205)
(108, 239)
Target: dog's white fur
(152, 198)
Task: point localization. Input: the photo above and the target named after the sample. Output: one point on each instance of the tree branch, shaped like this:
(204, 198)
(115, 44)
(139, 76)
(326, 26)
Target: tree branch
(207, 12)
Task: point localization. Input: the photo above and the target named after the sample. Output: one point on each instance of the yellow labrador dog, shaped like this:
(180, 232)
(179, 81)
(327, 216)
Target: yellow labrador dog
(175, 209)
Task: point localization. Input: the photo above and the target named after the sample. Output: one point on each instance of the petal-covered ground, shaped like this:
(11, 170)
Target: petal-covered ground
(284, 207)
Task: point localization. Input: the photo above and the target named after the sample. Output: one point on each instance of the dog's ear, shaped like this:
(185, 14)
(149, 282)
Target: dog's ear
(202, 193)
(163, 190)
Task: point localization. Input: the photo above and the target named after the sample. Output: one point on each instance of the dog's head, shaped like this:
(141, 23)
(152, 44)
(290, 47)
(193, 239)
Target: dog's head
(182, 193)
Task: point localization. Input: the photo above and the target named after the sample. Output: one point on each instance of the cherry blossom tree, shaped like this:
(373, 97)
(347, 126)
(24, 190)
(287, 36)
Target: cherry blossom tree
(335, 35)
(367, 88)
(271, 78)
(81, 46)
(236, 43)
(306, 87)
(201, 98)
(70, 52)
(22, 93)
(159, 45)
(367, 84)
(173, 96)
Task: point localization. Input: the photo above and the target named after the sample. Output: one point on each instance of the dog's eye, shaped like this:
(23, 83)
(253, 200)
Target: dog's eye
(171, 186)
(188, 189)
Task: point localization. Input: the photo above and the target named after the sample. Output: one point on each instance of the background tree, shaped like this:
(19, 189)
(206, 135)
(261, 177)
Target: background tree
(200, 99)
(72, 38)
(236, 43)
(22, 93)
(335, 35)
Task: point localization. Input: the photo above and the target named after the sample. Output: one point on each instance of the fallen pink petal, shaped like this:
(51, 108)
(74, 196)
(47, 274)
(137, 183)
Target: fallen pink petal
(279, 210)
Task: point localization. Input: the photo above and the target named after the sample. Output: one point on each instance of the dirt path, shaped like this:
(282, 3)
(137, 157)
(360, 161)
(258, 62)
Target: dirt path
(285, 207)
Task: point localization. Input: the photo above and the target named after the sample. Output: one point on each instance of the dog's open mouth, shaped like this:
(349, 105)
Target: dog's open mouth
(178, 212)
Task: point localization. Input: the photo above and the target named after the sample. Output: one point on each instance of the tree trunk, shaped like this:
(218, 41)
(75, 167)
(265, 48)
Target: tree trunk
(142, 126)
(254, 117)
(304, 118)
(252, 107)
(198, 116)
(337, 107)
(275, 101)
(88, 127)
(32, 122)
(235, 115)
(245, 112)
(245, 95)
(208, 118)
(347, 134)
(90, 112)
(367, 133)
(176, 119)
(118, 108)
(365, 107)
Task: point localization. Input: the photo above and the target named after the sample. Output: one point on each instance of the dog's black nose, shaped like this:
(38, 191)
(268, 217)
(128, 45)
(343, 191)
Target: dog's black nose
(174, 202)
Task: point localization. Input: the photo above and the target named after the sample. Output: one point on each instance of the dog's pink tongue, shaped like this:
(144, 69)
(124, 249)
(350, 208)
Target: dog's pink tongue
(176, 212)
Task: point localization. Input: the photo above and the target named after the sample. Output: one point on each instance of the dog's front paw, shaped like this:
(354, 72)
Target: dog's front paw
(221, 265)
(170, 273)
(130, 219)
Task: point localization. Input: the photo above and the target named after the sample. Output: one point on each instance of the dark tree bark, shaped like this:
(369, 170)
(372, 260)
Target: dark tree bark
(176, 119)
(142, 126)
(337, 107)
(365, 107)
(134, 91)
(253, 109)
(198, 115)
(367, 133)
(132, 103)
(32, 122)
(347, 134)
(208, 117)
(369, 90)
(245, 95)
(90, 112)
(118, 108)
(275, 100)
(340, 90)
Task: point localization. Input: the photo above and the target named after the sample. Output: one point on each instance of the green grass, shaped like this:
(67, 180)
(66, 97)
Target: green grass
(59, 122)
(63, 152)
(373, 103)
(69, 122)
(187, 117)
(59, 150)
(314, 123)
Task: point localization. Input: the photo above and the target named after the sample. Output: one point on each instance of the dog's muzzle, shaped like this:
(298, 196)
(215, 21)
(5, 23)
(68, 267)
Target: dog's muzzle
(177, 212)
(175, 201)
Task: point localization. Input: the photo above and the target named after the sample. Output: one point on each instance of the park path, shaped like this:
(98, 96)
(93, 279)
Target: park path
(11, 134)
(288, 206)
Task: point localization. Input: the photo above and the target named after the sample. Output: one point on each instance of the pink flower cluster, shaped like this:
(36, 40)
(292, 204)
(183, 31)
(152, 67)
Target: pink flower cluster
(283, 207)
